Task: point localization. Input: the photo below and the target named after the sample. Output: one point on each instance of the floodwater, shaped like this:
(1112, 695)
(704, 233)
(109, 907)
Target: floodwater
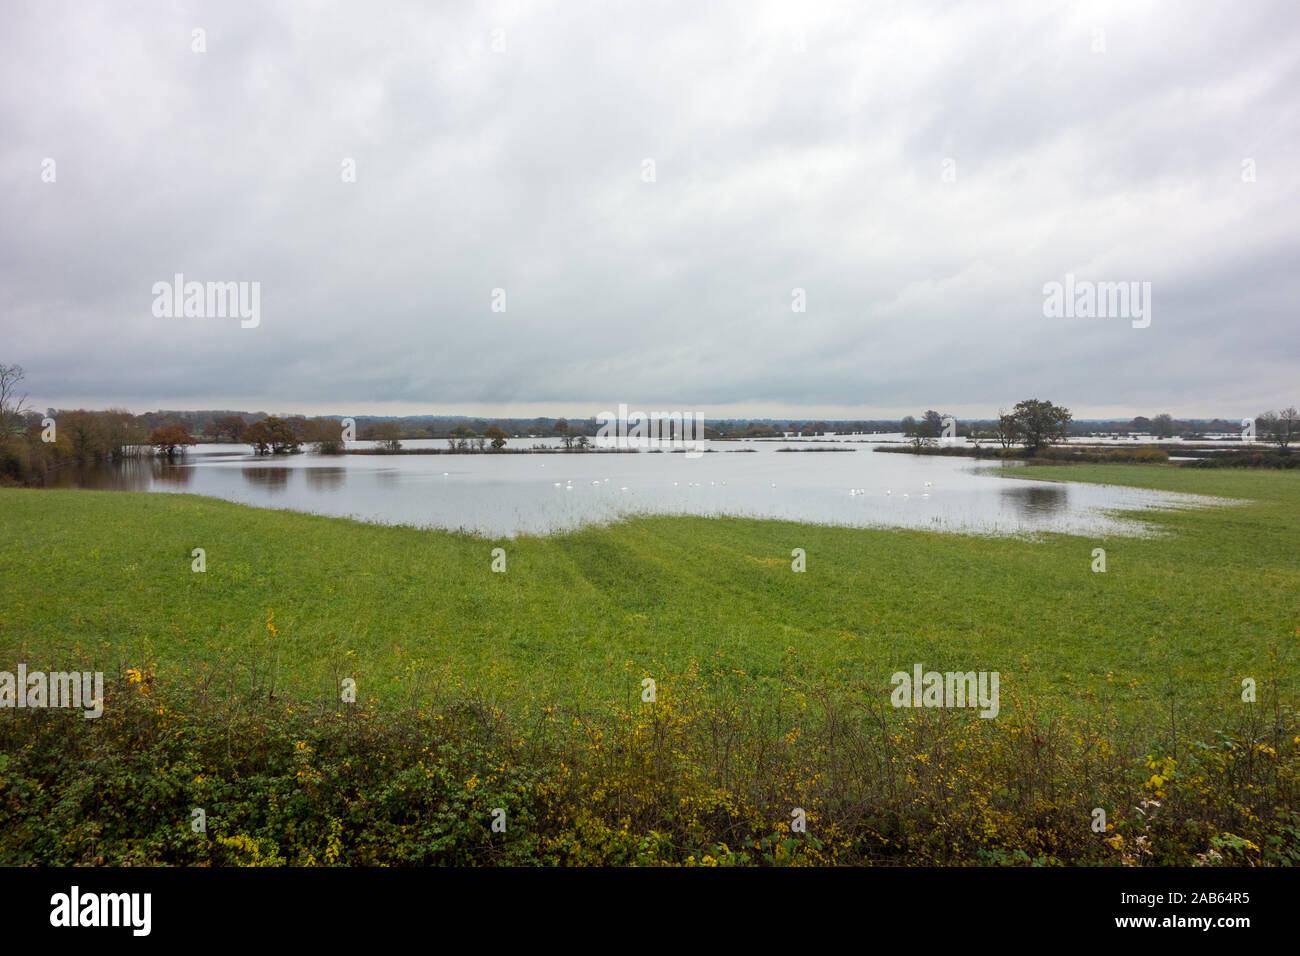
(505, 495)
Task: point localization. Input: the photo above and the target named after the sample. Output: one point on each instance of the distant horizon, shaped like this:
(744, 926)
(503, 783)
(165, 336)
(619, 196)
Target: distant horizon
(806, 416)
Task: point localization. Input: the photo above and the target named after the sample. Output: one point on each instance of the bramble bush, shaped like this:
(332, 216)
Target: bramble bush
(700, 777)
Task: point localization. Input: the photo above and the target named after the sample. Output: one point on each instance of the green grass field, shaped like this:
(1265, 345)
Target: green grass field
(579, 619)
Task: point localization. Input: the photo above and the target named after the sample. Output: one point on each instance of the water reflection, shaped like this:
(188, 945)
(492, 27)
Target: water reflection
(1038, 500)
(171, 473)
(325, 479)
(133, 474)
(268, 479)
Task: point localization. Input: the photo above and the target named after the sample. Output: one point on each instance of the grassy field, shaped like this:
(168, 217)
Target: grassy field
(1188, 613)
(774, 684)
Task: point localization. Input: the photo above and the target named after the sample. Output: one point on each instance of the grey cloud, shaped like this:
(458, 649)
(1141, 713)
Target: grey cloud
(776, 169)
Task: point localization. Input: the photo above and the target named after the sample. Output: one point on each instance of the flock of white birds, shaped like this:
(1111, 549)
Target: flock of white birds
(853, 492)
(890, 491)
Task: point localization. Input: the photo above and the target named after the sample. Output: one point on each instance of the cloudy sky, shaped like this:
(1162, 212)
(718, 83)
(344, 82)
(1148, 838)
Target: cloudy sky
(920, 170)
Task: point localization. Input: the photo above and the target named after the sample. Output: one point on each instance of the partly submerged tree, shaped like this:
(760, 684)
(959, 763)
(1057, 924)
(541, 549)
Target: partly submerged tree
(497, 437)
(389, 437)
(326, 434)
(85, 434)
(169, 440)
(271, 436)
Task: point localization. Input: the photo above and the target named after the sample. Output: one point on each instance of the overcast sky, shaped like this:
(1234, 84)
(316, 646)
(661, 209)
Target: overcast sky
(795, 146)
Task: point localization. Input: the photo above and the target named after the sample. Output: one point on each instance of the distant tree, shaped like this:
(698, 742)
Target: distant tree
(933, 424)
(1006, 429)
(169, 440)
(923, 433)
(1280, 428)
(497, 437)
(271, 436)
(1163, 426)
(1288, 426)
(123, 433)
(389, 436)
(1040, 423)
(12, 405)
(298, 426)
(84, 432)
(229, 427)
(258, 435)
(461, 436)
(1142, 424)
(326, 434)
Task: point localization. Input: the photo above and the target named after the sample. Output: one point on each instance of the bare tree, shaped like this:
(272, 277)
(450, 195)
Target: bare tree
(1289, 424)
(389, 437)
(1281, 428)
(1006, 428)
(12, 406)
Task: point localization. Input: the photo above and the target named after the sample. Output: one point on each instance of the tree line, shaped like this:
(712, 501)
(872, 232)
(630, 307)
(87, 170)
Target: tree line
(32, 444)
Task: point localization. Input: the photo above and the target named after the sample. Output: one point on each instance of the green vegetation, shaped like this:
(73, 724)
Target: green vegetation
(1119, 690)
(1133, 454)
